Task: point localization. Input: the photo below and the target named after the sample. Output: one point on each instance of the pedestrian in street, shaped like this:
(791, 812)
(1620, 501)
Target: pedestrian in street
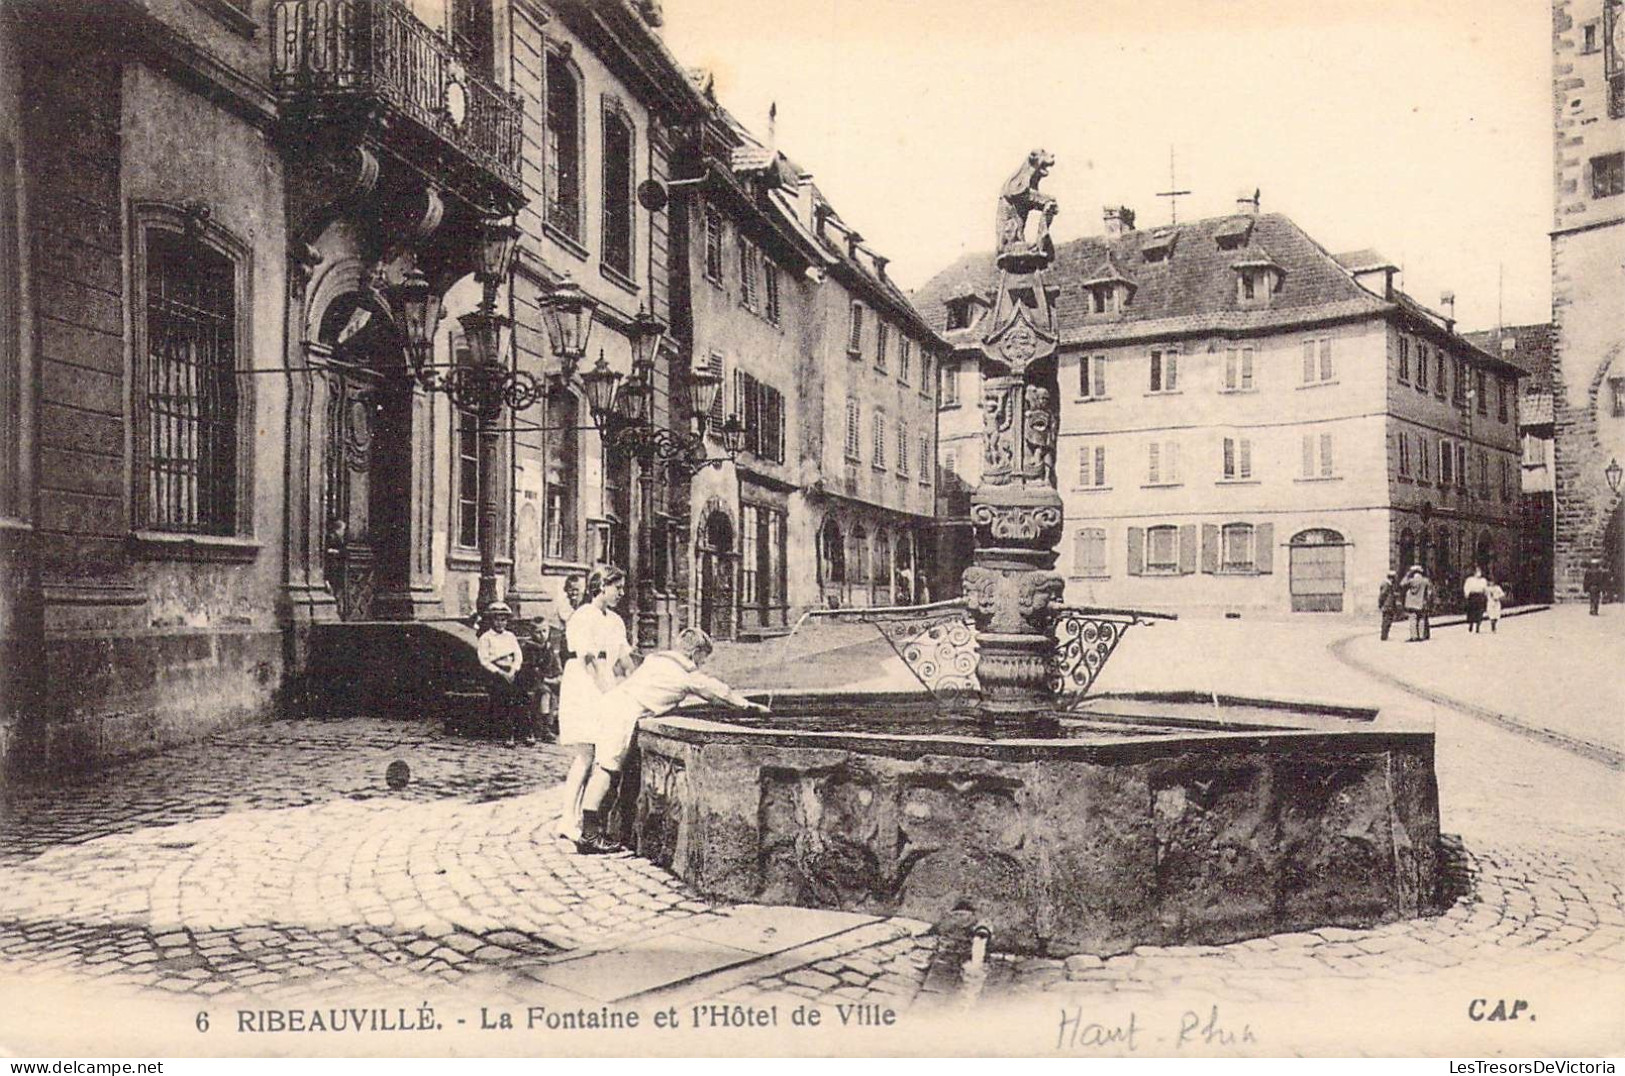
(659, 685)
(502, 659)
(1473, 590)
(1494, 596)
(600, 657)
(1418, 592)
(1390, 603)
(1595, 580)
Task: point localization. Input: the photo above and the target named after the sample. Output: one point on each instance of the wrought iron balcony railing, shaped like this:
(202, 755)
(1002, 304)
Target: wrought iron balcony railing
(333, 55)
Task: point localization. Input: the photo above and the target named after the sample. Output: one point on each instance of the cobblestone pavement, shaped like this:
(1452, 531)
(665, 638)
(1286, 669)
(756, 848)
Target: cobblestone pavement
(275, 862)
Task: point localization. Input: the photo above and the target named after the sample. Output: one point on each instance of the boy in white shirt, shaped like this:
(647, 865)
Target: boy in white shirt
(662, 682)
(501, 658)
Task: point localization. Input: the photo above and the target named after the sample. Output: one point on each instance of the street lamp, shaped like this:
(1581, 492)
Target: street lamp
(1613, 472)
(568, 312)
(419, 309)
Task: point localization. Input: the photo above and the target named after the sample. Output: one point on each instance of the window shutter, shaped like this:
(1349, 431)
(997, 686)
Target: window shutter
(1083, 375)
(1100, 375)
(1173, 461)
(719, 406)
(1264, 548)
(1229, 468)
(1153, 472)
(1083, 466)
(1326, 455)
(1246, 367)
(1308, 455)
(1136, 551)
(1326, 372)
(1210, 547)
(1170, 380)
(1230, 368)
(1100, 465)
(1080, 552)
(1246, 458)
(1187, 548)
(1308, 362)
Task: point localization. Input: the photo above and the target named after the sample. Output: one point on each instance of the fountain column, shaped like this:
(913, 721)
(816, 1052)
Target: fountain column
(1011, 586)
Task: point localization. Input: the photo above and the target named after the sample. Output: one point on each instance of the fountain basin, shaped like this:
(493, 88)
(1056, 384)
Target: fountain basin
(1138, 819)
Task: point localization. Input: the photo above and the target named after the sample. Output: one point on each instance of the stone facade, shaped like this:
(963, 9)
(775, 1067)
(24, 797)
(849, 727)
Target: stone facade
(137, 614)
(1588, 249)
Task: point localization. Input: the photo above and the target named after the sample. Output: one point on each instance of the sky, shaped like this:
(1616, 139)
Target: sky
(1422, 129)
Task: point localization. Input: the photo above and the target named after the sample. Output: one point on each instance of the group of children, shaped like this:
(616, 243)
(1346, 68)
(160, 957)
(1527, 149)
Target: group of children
(602, 692)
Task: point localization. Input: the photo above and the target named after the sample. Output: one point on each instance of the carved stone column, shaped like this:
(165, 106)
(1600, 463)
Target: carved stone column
(1016, 511)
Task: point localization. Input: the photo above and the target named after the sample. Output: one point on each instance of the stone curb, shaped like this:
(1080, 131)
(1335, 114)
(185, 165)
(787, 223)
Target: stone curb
(1608, 756)
(830, 946)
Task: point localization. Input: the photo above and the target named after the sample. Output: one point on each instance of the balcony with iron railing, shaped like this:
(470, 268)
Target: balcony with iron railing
(337, 60)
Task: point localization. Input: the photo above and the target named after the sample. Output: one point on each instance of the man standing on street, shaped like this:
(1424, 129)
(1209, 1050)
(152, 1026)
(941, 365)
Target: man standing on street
(1418, 592)
(1390, 603)
(1594, 580)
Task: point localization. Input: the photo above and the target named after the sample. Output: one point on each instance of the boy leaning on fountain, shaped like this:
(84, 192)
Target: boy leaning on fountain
(662, 682)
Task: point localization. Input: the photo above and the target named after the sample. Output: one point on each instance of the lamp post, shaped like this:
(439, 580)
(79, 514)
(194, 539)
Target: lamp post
(480, 387)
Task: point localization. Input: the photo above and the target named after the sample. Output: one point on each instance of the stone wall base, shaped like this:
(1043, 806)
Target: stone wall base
(112, 696)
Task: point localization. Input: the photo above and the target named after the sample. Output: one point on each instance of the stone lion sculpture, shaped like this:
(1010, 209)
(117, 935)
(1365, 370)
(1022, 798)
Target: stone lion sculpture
(1020, 199)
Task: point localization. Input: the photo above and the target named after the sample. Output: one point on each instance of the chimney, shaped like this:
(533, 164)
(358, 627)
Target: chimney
(1447, 304)
(1509, 344)
(1119, 220)
(854, 240)
(880, 261)
(1247, 204)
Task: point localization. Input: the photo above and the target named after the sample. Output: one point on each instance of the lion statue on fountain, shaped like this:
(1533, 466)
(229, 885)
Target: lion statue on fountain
(1019, 200)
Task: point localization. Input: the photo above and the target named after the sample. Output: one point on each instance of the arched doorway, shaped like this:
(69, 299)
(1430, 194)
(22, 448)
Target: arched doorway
(1316, 571)
(832, 563)
(716, 550)
(366, 465)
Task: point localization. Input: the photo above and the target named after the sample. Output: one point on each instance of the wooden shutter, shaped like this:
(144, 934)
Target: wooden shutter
(1187, 548)
(1136, 551)
(1230, 368)
(1246, 459)
(1308, 362)
(1210, 547)
(1080, 551)
(1264, 548)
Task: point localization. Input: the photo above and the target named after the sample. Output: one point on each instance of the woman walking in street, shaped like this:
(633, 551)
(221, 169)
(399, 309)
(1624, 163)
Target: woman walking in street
(599, 656)
(1473, 590)
(1494, 595)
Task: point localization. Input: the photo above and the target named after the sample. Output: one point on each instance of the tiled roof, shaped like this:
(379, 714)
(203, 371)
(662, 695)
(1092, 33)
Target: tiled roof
(1193, 290)
(1531, 350)
(1356, 260)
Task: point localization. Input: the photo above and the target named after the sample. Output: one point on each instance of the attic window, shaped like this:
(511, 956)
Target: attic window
(1233, 233)
(963, 311)
(1160, 245)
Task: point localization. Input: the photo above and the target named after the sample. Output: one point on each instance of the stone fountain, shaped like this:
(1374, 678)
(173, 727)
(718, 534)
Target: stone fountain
(1007, 794)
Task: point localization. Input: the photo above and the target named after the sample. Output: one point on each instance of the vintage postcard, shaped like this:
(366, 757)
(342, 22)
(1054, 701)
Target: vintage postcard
(808, 528)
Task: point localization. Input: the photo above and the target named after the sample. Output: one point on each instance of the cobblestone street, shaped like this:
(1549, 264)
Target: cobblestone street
(274, 863)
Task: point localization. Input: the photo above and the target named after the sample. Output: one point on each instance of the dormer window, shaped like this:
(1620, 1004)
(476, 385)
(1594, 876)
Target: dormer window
(1109, 289)
(1233, 233)
(1160, 246)
(1258, 276)
(963, 311)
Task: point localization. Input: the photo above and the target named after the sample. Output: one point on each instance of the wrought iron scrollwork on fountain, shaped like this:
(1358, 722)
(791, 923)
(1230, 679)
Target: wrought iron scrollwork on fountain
(939, 647)
(1084, 641)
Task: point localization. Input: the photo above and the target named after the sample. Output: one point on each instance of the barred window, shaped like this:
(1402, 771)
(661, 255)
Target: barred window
(190, 386)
